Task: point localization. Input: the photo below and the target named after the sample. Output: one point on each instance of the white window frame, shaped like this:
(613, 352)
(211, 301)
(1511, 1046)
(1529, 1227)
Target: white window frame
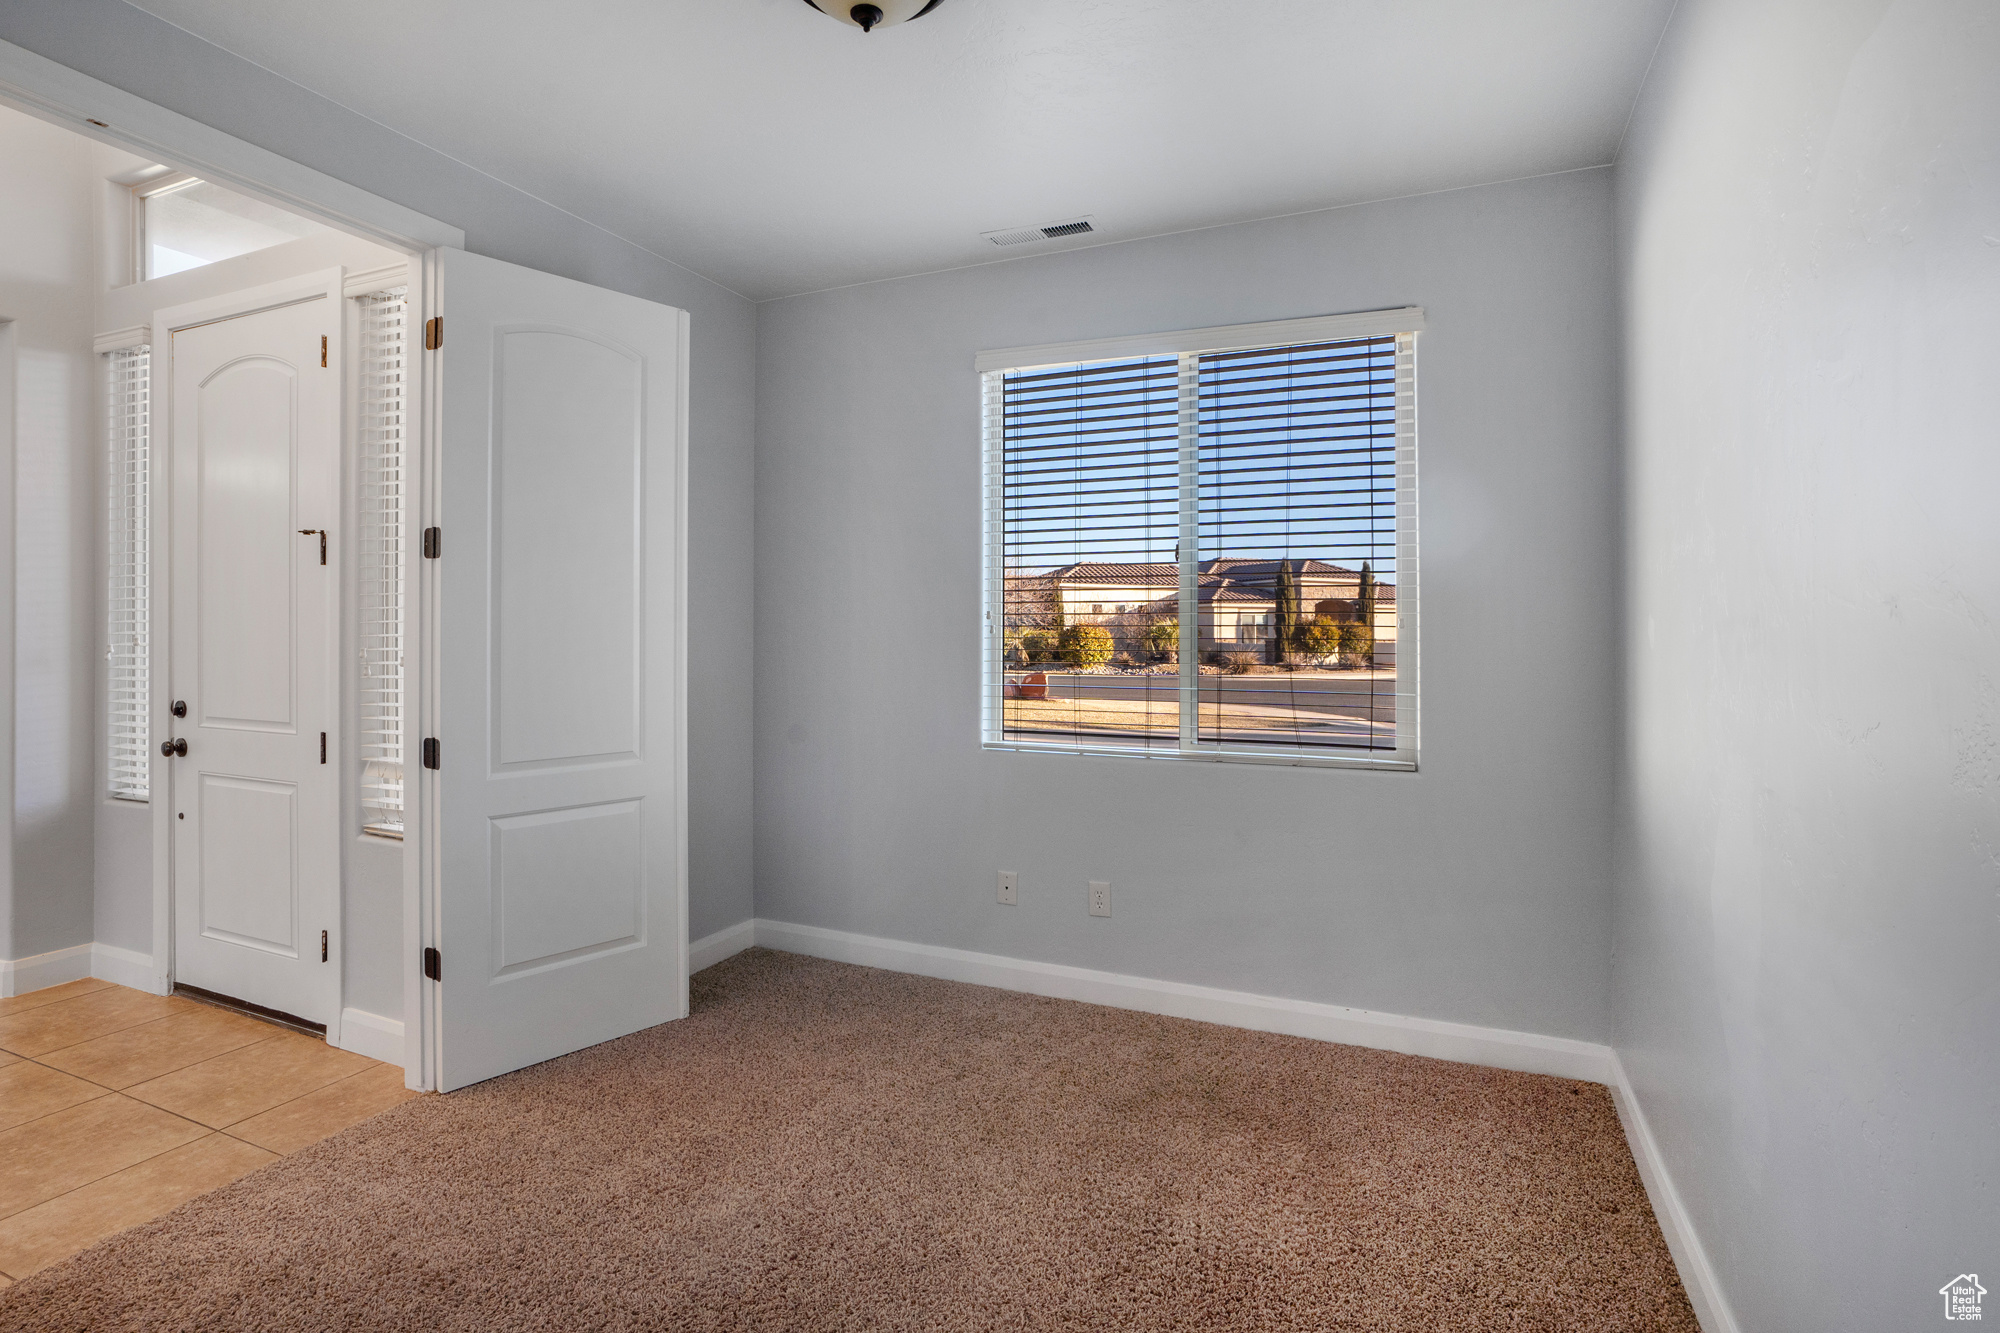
(1405, 324)
(144, 190)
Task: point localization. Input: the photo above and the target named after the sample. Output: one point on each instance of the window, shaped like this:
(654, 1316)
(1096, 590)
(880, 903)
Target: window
(380, 511)
(1253, 491)
(127, 638)
(185, 222)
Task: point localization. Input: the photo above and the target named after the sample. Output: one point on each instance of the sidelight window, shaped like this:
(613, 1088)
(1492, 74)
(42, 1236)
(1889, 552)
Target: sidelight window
(128, 632)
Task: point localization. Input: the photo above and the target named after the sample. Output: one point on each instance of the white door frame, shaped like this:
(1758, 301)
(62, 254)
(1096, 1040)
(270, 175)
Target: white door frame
(49, 91)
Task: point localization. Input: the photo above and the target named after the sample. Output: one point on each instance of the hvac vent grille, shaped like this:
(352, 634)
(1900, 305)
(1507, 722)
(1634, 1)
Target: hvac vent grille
(1054, 231)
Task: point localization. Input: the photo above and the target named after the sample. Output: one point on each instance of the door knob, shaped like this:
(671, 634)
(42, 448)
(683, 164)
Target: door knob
(178, 745)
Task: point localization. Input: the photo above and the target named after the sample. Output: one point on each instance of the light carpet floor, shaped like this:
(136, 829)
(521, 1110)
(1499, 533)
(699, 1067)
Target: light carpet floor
(829, 1147)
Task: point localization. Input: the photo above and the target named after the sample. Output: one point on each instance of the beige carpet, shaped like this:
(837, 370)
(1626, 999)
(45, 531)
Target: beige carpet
(831, 1147)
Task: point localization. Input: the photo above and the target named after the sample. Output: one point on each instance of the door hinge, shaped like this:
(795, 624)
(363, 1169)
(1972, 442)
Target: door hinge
(321, 534)
(433, 965)
(322, 351)
(322, 946)
(433, 333)
(322, 747)
(431, 758)
(433, 543)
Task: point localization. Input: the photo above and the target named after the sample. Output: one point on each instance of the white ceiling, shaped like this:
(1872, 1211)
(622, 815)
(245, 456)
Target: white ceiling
(777, 151)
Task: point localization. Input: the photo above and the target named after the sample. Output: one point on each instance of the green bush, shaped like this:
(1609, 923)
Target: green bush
(1357, 644)
(1163, 638)
(1037, 645)
(1085, 645)
(1320, 637)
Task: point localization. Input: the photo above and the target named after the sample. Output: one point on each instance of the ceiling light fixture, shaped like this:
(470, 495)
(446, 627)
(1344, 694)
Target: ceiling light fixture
(873, 16)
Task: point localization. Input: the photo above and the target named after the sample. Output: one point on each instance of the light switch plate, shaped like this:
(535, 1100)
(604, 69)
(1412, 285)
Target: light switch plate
(1010, 889)
(1100, 897)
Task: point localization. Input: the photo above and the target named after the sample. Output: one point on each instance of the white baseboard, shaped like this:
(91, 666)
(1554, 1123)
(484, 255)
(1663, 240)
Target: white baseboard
(1503, 1049)
(372, 1035)
(725, 943)
(1704, 1291)
(123, 967)
(18, 976)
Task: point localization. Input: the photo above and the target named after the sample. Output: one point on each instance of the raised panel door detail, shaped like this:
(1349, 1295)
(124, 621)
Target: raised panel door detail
(566, 545)
(568, 884)
(249, 882)
(246, 452)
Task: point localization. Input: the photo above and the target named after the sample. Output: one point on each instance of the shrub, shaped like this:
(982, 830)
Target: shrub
(1125, 662)
(1037, 645)
(1085, 645)
(1163, 639)
(1320, 637)
(1237, 664)
(1357, 644)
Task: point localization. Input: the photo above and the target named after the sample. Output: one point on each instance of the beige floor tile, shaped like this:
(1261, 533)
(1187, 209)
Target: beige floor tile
(310, 1118)
(29, 1092)
(5, 1282)
(74, 1146)
(67, 1022)
(160, 1047)
(41, 1235)
(235, 1086)
(35, 999)
(7, 1058)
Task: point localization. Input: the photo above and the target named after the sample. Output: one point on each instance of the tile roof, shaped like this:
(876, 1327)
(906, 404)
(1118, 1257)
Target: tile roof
(1235, 580)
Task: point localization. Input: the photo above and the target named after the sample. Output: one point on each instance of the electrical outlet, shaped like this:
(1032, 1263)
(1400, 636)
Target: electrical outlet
(1100, 897)
(1010, 889)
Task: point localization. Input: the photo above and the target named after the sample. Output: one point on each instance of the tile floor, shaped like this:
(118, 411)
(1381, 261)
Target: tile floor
(117, 1106)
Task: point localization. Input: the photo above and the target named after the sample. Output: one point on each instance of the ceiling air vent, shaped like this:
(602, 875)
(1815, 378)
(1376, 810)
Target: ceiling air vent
(1054, 231)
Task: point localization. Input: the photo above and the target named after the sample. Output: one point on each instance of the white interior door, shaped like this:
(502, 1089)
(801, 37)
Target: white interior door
(562, 892)
(255, 416)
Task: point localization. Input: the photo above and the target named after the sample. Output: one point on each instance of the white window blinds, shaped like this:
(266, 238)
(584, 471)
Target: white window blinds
(1207, 553)
(1089, 466)
(380, 576)
(127, 639)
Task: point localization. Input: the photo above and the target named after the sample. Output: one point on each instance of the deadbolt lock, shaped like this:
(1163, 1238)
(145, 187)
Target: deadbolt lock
(178, 745)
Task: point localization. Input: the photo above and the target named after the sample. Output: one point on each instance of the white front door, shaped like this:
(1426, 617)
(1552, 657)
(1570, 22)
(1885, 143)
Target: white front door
(255, 422)
(561, 780)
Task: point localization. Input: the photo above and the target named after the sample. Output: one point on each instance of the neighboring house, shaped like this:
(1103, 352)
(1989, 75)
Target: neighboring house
(1238, 600)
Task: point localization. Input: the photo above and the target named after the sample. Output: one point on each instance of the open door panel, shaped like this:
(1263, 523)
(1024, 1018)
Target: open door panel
(560, 755)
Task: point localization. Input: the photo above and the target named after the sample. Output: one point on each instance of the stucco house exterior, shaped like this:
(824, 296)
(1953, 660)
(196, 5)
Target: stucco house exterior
(1238, 600)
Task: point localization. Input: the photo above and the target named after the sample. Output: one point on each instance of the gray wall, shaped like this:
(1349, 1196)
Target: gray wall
(47, 269)
(1476, 890)
(130, 49)
(1807, 934)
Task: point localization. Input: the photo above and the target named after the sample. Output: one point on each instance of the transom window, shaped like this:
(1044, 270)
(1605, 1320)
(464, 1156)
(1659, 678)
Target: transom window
(1245, 499)
(185, 222)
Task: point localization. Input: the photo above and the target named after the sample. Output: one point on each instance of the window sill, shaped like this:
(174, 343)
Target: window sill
(1389, 763)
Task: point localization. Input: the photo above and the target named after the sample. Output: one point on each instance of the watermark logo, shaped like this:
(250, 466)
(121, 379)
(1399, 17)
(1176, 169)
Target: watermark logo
(1961, 1296)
